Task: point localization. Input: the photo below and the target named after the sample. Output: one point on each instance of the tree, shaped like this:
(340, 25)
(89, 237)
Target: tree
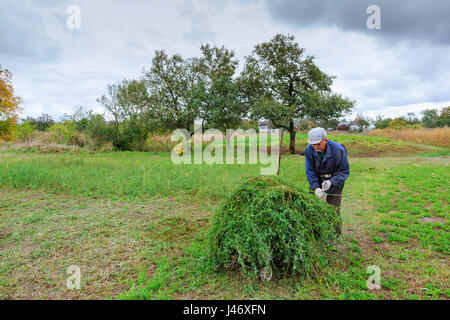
(217, 91)
(126, 102)
(323, 106)
(331, 123)
(411, 118)
(137, 112)
(170, 83)
(41, 123)
(9, 104)
(110, 101)
(444, 118)
(81, 117)
(285, 85)
(361, 121)
(381, 122)
(429, 118)
(398, 123)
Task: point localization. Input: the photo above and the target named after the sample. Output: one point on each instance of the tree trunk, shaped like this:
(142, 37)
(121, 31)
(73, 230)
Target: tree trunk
(292, 139)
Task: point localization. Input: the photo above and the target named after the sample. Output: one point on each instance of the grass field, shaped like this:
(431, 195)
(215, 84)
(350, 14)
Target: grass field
(135, 224)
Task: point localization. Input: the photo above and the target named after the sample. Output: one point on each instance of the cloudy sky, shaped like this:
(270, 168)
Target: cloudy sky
(402, 67)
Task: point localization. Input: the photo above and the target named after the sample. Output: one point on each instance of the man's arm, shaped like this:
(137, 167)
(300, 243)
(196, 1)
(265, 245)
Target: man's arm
(311, 174)
(342, 171)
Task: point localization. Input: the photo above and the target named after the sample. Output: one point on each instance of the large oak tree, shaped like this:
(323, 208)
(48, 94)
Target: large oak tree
(283, 84)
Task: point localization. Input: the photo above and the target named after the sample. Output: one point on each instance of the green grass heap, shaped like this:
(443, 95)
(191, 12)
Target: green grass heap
(270, 227)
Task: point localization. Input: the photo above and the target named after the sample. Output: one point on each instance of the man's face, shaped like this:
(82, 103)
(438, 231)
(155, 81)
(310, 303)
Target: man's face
(321, 146)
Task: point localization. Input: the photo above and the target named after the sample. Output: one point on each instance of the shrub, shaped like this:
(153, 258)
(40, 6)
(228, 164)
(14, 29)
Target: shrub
(131, 136)
(99, 130)
(268, 226)
(63, 132)
(42, 123)
(7, 129)
(25, 132)
(381, 123)
(400, 123)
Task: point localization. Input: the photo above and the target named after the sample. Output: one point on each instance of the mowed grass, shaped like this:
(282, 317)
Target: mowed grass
(135, 224)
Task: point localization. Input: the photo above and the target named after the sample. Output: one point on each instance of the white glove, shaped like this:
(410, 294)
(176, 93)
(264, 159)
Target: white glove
(320, 194)
(326, 185)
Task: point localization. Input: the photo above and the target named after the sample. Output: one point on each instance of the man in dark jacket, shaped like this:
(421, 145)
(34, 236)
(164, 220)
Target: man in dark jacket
(326, 167)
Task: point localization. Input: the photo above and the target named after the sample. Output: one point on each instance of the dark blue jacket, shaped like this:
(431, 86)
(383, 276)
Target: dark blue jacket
(335, 162)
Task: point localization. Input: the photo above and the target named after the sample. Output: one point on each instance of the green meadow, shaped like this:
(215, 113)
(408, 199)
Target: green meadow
(135, 224)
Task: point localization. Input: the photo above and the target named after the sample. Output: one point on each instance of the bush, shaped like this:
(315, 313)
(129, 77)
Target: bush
(7, 129)
(400, 123)
(63, 132)
(382, 123)
(24, 132)
(268, 226)
(42, 123)
(99, 130)
(131, 136)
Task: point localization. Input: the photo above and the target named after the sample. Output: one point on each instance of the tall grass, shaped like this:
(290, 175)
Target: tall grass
(437, 137)
(121, 174)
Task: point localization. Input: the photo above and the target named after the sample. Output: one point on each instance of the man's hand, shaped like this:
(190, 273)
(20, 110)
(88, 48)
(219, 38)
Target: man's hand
(326, 185)
(320, 194)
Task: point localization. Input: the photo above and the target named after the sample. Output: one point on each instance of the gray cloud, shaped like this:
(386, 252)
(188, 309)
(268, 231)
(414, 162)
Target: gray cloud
(200, 15)
(401, 20)
(200, 29)
(25, 30)
(55, 68)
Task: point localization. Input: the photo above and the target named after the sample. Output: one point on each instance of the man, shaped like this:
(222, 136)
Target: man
(326, 167)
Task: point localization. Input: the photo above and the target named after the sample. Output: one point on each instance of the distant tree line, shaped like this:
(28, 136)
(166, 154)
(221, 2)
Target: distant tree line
(431, 118)
(428, 118)
(278, 83)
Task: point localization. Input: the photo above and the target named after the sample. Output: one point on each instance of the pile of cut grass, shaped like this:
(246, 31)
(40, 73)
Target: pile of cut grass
(270, 227)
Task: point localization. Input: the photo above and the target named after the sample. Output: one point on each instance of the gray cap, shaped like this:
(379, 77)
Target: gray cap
(316, 135)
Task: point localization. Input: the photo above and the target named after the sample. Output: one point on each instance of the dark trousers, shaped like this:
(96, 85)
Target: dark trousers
(334, 198)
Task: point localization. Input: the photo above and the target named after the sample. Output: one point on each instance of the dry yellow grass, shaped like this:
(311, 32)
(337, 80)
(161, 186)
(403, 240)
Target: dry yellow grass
(436, 137)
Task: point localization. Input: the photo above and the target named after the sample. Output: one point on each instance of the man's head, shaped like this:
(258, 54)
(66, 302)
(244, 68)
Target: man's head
(317, 138)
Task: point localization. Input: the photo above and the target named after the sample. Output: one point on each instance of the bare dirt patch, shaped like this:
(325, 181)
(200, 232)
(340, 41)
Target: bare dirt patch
(433, 220)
